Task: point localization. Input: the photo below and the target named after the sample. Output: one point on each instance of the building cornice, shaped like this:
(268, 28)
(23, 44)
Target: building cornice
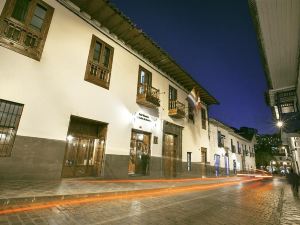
(260, 41)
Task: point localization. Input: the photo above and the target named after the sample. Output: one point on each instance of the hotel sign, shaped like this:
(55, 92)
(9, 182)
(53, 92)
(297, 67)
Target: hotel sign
(144, 117)
(144, 121)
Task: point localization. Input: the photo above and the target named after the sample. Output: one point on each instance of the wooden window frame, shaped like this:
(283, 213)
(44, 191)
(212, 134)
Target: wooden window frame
(102, 80)
(7, 22)
(221, 141)
(172, 90)
(10, 116)
(149, 83)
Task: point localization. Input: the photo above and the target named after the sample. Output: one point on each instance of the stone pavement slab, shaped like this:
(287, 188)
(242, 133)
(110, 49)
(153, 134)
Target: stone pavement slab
(290, 211)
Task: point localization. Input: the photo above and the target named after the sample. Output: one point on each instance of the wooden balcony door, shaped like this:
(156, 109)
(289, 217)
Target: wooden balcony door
(144, 80)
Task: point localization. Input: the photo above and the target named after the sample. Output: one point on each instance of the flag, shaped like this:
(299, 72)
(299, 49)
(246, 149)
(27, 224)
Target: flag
(194, 99)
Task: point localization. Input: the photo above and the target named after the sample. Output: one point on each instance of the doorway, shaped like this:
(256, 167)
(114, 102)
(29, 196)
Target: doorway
(85, 148)
(217, 165)
(139, 158)
(243, 163)
(170, 155)
(234, 166)
(226, 158)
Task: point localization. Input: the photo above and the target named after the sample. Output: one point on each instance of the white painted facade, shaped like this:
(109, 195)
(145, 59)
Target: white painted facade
(229, 134)
(54, 88)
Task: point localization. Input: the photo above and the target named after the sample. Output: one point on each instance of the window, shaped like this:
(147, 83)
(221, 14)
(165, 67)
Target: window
(204, 118)
(174, 104)
(146, 94)
(287, 107)
(24, 26)
(98, 68)
(221, 138)
(239, 148)
(10, 114)
(233, 150)
(144, 81)
(172, 94)
(191, 112)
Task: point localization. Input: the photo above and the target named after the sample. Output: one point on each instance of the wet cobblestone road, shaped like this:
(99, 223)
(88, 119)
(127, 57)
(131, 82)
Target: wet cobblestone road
(260, 202)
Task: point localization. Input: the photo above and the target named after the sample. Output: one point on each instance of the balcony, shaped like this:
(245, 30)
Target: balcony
(147, 96)
(21, 38)
(176, 109)
(97, 74)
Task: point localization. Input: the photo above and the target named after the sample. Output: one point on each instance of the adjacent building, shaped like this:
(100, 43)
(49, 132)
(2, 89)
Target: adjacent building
(277, 25)
(232, 152)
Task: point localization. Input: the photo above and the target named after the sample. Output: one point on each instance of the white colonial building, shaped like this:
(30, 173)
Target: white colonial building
(230, 151)
(83, 92)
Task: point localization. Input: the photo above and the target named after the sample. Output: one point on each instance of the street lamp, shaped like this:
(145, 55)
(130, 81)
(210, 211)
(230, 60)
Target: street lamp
(279, 124)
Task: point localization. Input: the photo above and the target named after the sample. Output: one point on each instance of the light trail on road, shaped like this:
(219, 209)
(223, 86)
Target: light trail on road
(126, 195)
(152, 180)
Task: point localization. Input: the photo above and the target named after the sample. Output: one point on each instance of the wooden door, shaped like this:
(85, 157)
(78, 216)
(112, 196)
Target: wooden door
(169, 155)
(84, 157)
(99, 152)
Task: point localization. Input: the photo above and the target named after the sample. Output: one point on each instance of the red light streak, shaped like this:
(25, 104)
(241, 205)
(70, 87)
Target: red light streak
(152, 180)
(128, 195)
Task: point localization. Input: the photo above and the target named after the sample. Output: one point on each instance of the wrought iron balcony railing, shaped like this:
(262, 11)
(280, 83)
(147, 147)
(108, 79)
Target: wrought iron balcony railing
(148, 96)
(176, 109)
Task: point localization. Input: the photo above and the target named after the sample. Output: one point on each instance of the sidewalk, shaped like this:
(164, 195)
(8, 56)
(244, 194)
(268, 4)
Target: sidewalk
(20, 191)
(290, 212)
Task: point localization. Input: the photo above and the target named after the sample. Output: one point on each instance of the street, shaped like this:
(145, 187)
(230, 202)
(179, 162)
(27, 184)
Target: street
(257, 202)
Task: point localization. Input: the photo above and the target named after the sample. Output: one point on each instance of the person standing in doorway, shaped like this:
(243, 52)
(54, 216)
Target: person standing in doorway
(145, 162)
(294, 180)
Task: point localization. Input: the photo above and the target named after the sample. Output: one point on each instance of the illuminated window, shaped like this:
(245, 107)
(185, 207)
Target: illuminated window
(10, 114)
(99, 64)
(287, 107)
(24, 25)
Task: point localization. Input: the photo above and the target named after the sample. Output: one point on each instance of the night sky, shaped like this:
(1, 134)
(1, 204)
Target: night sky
(214, 41)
